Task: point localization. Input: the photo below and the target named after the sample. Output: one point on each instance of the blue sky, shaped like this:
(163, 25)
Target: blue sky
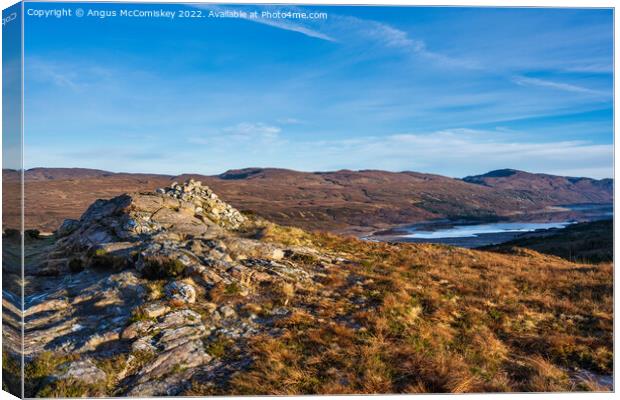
(453, 91)
(11, 88)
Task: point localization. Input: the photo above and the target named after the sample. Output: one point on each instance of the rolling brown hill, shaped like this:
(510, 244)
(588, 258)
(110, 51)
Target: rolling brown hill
(547, 188)
(344, 201)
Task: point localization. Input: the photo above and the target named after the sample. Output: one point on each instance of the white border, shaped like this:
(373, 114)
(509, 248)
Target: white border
(482, 3)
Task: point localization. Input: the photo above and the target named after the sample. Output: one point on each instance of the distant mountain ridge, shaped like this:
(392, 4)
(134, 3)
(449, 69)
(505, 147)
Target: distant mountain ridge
(553, 188)
(45, 174)
(344, 200)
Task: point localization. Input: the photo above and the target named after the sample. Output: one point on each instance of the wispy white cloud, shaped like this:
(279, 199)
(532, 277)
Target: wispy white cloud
(392, 37)
(51, 72)
(294, 27)
(244, 131)
(349, 30)
(254, 130)
(461, 152)
(288, 25)
(386, 34)
(451, 152)
(289, 121)
(67, 75)
(567, 87)
(591, 68)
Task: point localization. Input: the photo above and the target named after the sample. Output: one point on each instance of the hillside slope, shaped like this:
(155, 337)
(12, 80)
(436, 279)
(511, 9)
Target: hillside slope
(547, 188)
(590, 242)
(176, 292)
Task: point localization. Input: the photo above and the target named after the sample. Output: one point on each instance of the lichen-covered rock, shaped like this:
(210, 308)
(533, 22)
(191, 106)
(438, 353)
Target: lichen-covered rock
(181, 291)
(155, 309)
(84, 371)
(206, 203)
(175, 340)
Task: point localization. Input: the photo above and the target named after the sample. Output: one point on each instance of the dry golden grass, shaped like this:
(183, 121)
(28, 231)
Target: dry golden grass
(435, 318)
(404, 318)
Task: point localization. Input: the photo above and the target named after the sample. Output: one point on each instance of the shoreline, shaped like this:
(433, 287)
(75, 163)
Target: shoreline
(397, 233)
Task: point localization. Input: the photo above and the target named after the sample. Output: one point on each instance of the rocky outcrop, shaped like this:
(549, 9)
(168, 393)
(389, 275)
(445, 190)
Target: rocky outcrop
(160, 279)
(206, 203)
(143, 228)
(173, 344)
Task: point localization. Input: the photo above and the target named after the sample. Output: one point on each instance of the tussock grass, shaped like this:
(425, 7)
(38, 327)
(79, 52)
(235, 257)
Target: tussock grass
(37, 371)
(286, 235)
(162, 267)
(435, 319)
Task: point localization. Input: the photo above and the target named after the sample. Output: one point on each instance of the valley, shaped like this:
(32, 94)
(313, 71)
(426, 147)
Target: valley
(348, 202)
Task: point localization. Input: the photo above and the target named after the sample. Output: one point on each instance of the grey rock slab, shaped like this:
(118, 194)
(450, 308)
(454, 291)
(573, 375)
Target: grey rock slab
(84, 371)
(181, 291)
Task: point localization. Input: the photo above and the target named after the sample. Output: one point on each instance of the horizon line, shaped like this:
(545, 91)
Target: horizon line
(303, 171)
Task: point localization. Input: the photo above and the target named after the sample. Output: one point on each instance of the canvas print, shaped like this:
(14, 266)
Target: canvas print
(214, 199)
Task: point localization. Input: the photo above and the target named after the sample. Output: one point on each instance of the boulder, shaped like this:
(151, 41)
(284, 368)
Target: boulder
(182, 291)
(228, 312)
(156, 309)
(84, 371)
